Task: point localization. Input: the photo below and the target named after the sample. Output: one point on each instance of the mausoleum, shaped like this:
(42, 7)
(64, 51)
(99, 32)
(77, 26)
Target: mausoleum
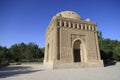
(71, 42)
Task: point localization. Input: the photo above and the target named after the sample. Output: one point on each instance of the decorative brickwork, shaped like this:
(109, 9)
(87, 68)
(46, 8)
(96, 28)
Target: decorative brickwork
(71, 42)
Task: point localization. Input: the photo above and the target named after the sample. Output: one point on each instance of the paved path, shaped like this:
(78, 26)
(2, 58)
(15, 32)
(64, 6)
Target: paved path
(37, 72)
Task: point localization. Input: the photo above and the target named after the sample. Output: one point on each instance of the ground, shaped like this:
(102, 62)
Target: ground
(38, 72)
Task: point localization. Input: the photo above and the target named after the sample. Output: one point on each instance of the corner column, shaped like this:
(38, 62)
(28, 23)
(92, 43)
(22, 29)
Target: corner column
(55, 45)
(97, 45)
(45, 56)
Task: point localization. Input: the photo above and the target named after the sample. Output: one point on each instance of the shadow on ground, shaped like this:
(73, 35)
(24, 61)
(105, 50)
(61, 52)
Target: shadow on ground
(9, 71)
(109, 63)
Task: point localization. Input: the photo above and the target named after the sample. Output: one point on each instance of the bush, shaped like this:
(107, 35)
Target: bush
(3, 63)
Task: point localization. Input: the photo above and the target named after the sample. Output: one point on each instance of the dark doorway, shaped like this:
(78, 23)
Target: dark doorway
(76, 51)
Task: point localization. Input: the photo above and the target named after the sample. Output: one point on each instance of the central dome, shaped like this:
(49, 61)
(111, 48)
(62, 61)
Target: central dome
(69, 14)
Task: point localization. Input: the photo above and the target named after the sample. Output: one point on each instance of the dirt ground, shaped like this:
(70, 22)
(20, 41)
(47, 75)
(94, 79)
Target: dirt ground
(38, 72)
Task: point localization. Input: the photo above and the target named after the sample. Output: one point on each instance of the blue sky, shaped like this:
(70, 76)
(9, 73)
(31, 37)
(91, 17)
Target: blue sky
(26, 20)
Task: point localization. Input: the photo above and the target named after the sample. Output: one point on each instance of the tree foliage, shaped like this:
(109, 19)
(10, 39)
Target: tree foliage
(4, 55)
(116, 52)
(109, 49)
(21, 52)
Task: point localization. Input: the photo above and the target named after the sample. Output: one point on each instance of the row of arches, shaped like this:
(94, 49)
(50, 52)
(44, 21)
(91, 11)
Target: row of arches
(76, 25)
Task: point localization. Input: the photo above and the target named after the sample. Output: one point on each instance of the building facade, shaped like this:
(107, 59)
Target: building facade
(71, 42)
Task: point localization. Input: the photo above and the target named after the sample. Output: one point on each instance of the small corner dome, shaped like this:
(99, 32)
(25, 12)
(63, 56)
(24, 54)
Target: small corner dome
(69, 14)
(88, 20)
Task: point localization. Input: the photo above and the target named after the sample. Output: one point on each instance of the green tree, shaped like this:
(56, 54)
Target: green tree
(31, 51)
(26, 52)
(15, 53)
(101, 45)
(4, 56)
(21, 49)
(106, 46)
(116, 53)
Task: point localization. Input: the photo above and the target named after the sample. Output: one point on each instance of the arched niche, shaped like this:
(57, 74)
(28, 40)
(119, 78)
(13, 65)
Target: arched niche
(77, 51)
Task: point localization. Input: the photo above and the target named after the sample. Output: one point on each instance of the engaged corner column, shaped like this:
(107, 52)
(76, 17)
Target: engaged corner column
(45, 56)
(97, 45)
(55, 41)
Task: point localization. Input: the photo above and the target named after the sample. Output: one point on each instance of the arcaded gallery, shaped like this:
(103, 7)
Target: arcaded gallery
(71, 42)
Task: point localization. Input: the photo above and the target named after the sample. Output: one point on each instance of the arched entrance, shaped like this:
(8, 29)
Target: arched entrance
(76, 51)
